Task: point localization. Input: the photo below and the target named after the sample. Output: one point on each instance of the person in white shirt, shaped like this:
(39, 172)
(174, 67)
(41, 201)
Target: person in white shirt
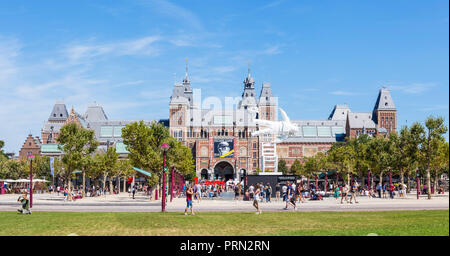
(284, 190)
(251, 190)
(344, 193)
(255, 201)
(198, 191)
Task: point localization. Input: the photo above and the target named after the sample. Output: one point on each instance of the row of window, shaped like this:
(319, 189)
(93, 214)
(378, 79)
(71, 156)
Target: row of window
(320, 131)
(111, 131)
(205, 134)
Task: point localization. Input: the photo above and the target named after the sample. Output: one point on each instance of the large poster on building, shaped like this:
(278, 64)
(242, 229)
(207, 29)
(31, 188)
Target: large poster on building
(223, 148)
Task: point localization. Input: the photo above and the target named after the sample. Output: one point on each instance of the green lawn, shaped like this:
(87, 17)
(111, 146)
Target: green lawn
(390, 223)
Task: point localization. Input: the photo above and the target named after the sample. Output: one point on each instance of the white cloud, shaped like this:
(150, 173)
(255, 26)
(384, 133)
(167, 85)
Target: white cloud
(183, 15)
(414, 88)
(344, 93)
(139, 46)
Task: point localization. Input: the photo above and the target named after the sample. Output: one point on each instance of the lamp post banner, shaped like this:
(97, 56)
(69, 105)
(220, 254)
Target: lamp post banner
(52, 161)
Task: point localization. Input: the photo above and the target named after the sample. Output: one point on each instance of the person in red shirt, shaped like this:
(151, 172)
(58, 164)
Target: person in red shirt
(189, 193)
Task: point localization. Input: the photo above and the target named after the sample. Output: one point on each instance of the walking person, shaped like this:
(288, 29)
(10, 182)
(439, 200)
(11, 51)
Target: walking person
(289, 196)
(379, 190)
(284, 190)
(336, 192)
(237, 192)
(384, 191)
(189, 194)
(353, 190)
(134, 190)
(392, 191)
(277, 191)
(299, 194)
(256, 201)
(251, 191)
(344, 193)
(198, 191)
(268, 193)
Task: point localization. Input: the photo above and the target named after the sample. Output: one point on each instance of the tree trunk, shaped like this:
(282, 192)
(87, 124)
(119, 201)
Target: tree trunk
(402, 181)
(111, 187)
(84, 183)
(104, 184)
(428, 183)
(436, 182)
(408, 187)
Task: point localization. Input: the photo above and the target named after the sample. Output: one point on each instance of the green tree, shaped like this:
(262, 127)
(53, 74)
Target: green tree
(439, 163)
(435, 128)
(282, 167)
(379, 152)
(342, 156)
(105, 165)
(416, 138)
(41, 167)
(401, 157)
(144, 142)
(361, 163)
(124, 170)
(297, 168)
(76, 142)
(3, 155)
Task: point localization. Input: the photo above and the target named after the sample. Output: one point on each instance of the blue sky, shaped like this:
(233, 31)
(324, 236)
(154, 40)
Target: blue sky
(125, 55)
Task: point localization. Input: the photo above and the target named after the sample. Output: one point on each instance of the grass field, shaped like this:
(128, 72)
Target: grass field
(391, 223)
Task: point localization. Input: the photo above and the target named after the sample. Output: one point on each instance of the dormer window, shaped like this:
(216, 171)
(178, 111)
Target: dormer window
(386, 104)
(60, 115)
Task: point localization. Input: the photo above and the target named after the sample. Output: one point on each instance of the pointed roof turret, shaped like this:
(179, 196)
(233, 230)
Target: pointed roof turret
(266, 96)
(249, 82)
(384, 100)
(339, 112)
(186, 81)
(95, 113)
(59, 112)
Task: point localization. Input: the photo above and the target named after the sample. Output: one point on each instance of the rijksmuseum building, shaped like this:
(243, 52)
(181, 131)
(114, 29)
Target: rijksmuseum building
(220, 139)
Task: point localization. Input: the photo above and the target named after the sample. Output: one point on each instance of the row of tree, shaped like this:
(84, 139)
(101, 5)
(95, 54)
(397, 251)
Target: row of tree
(415, 150)
(81, 153)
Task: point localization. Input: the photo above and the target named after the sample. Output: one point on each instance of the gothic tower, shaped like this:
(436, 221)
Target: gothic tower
(384, 113)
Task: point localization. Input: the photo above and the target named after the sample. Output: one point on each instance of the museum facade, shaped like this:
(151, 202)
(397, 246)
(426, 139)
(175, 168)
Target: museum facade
(221, 139)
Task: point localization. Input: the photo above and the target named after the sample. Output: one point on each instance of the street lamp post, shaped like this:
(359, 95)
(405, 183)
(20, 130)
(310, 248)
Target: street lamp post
(31, 179)
(164, 147)
(171, 183)
(417, 184)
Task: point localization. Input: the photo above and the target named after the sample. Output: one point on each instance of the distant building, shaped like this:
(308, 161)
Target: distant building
(206, 130)
(31, 146)
(220, 139)
(107, 132)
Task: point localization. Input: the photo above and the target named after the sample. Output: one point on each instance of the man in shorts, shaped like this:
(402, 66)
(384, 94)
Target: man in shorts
(353, 190)
(290, 198)
(344, 193)
(255, 201)
(189, 194)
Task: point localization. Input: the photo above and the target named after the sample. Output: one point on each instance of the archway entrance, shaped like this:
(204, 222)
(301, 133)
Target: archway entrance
(223, 171)
(204, 174)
